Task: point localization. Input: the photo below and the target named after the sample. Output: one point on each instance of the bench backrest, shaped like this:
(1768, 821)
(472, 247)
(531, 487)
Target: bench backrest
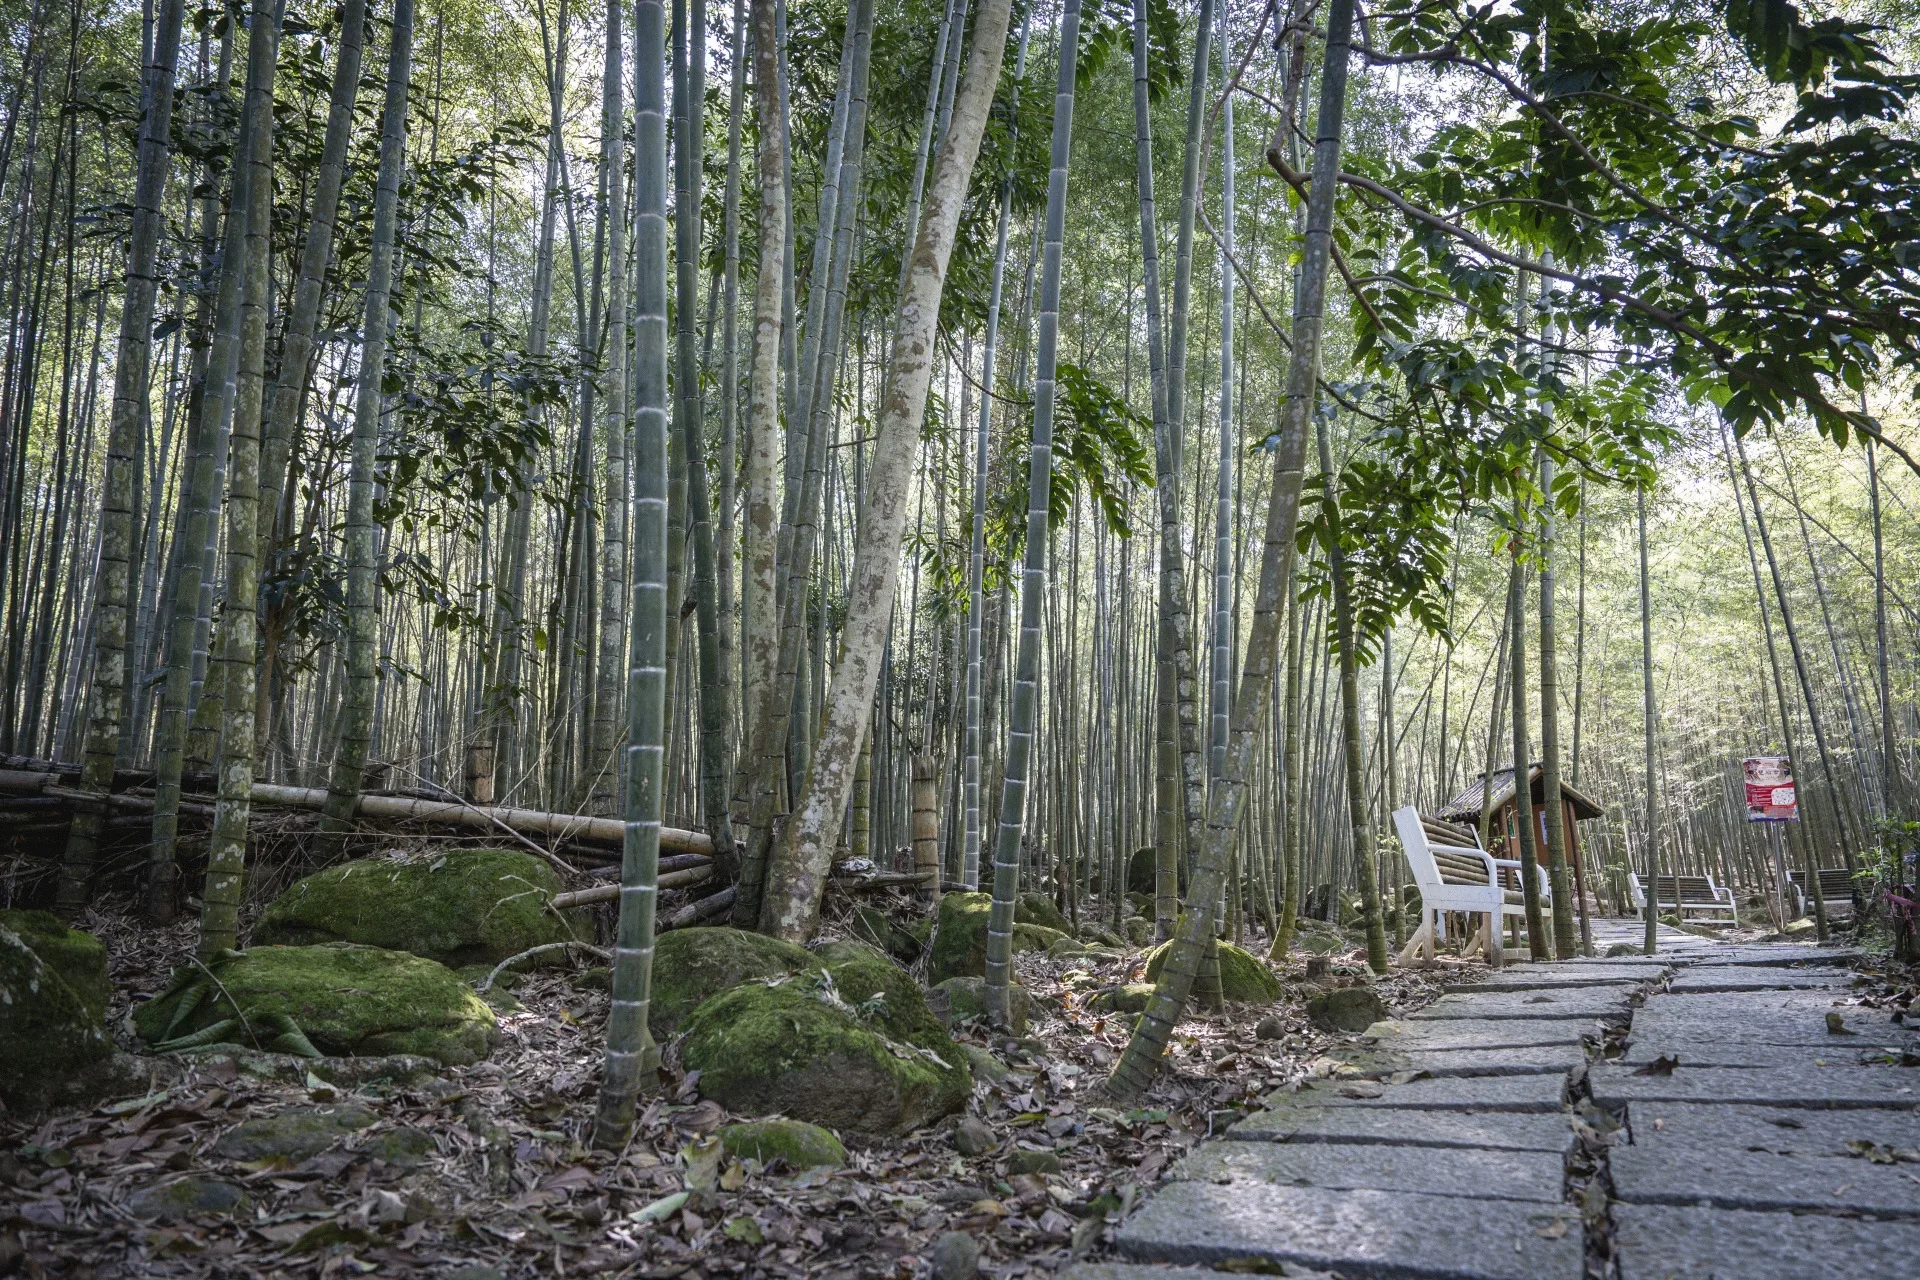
(1833, 880)
(1439, 852)
(1687, 889)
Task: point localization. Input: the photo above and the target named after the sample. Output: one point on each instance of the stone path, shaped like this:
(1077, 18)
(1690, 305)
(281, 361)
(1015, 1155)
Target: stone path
(1740, 1131)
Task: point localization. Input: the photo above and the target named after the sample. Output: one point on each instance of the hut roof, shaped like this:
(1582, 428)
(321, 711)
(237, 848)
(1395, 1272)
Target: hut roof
(1465, 807)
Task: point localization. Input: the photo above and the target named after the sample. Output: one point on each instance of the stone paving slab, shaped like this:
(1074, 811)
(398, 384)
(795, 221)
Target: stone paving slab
(1493, 1175)
(1615, 1086)
(1719, 978)
(1135, 1271)
(1781, 954)
(1661, 1242)
(1804, 1023)
(1469, 1093)
(1835, 1051)
(1735, 1179)
(1357, 1233)
(1584, 1002)
(1459, 1033)
(1554, 977)
(1679, 1129)
(1534, 1060)
(1491, 1131)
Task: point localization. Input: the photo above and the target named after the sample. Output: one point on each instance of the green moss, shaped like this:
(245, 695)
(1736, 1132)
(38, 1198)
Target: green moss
(345, 999)
(785, 1049)
(1038, 908)
(1131, 998)
(795, 1143)
(48, 1035)
(466, 906)
(960, 945)
(292, 1135)
(79, 958)
(1244, 978)
(967, 999)
(872, 925)
(691, 965)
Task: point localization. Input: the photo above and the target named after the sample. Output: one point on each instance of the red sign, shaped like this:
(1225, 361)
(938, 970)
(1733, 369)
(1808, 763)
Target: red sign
(1770, 791)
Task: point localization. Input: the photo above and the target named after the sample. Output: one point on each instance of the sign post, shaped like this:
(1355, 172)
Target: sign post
(1772, 799)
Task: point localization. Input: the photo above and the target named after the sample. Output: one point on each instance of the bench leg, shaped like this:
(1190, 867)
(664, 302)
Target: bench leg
(1421, 941)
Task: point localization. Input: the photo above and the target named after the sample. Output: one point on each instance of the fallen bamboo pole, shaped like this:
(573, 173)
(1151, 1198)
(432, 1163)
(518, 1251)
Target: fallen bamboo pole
(609, 892)
(573, 826)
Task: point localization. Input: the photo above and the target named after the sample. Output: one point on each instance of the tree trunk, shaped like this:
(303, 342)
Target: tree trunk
(1140, 1062)
(227, 851)
(633, 1060)
(1537, 948)
(107, 694)
(1650, 717)
(356, 711)
(1563, 885)
(794, 896)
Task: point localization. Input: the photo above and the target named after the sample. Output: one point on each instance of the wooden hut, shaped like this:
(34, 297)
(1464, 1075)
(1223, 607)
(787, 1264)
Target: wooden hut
(1575, 807)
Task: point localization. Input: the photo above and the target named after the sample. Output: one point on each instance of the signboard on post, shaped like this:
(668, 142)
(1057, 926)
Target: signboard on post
(1770, 791)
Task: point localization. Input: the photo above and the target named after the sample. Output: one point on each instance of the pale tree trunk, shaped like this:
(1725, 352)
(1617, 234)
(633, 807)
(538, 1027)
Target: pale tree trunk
(356, 711)
(1290, 827)
(794, 892)
(1890, 780)
(779, 733)
(227, 852)
(1226, 802)
(107, 694)
(730, 375)
(604, 780)
(977, 561)
(1023, 700)
(632, 1060)
(1537, 948)
(760, 621)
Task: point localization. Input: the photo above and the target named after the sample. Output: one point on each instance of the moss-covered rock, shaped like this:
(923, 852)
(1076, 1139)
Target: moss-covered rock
(336, 999)
(874, 926)
(1349, 1009)
(886, 996)
(466, 906)
(48, 1035)
(1100, 935)
(795, 1143)
(187, 1198)
(691, 966)
(1038, 908)
(1130, 998)
(1139, 930)
(960, 944)
(79, 958)
(967, 999)
(292, 1135)
(797, 1050)
(1244, 978)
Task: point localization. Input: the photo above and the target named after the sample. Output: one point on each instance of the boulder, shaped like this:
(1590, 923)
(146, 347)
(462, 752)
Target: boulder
(805, 1050)
(1347, 1009)
(984, 1064)
(1063, 947)
(972, 1137)
(185, 1198)
(49, 1038)
(293, 1135)
(1038, 908)
(1139, 930)
(875, 927)
(960, 942)
(795, 1143)
(956, 1256)
(461, 907)
(885, 996)
(1244, 977)
(1021, 1160)
(691, 966)
(79, 958)
(338, 999)
(967, 998)
(1131, 998)
(1102, 936)
(1143, 873)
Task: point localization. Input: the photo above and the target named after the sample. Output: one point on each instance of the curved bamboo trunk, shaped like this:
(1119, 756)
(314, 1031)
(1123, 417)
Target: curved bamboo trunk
(793, 893)
(356, 711)
(632, 1060)
(227, 851)
(107, 694)
(1225, 804)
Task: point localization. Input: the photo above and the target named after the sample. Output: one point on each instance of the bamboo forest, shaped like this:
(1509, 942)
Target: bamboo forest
(932, 639)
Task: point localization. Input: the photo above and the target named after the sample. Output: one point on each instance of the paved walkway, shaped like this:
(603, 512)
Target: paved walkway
(1741, 1133)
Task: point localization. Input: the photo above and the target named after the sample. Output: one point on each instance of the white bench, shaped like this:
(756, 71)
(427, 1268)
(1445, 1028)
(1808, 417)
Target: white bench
(1455, 875)
(1685, 893)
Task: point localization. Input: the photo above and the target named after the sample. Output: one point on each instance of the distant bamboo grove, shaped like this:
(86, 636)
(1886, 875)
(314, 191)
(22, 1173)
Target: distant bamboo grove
(453, 399)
